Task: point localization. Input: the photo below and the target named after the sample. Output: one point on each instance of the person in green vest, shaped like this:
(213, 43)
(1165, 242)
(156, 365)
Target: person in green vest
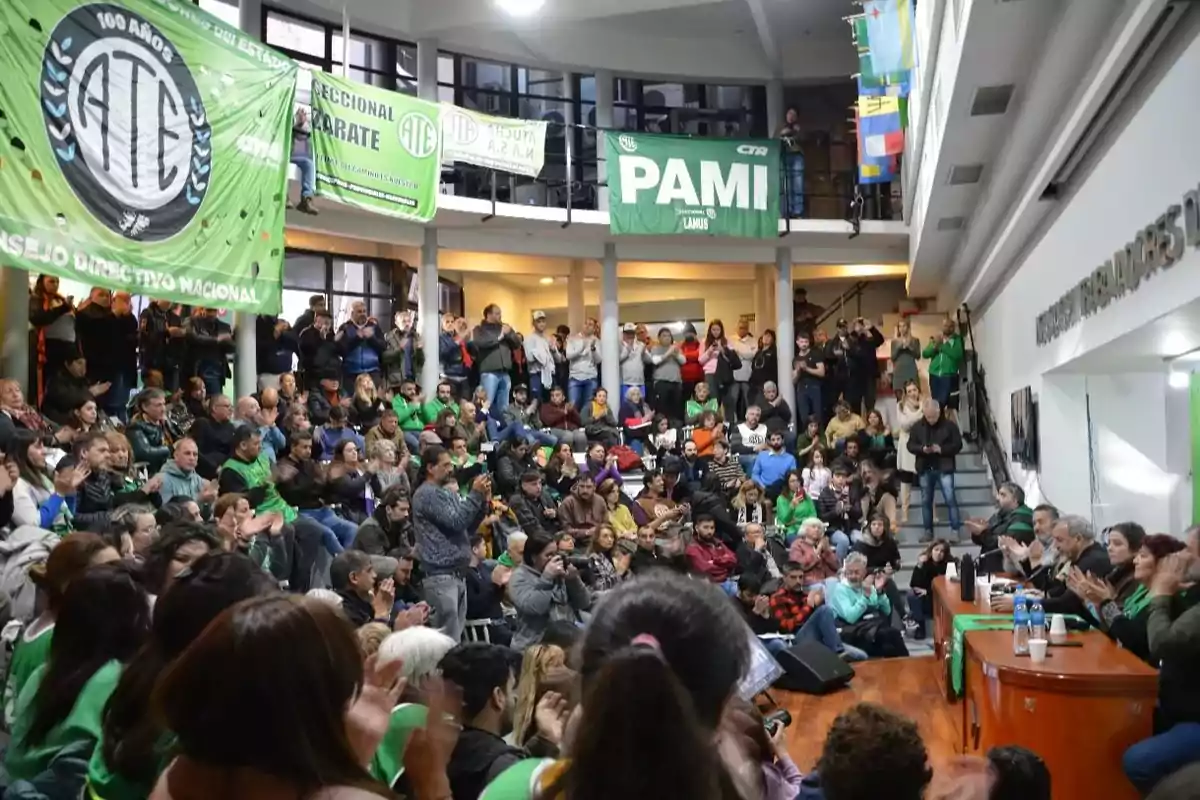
(666, 643)
(946, 355)
(1012, 519)
(295, 547)
(409, 407)
(442, 400)
(104, 619)
(69, 559)
(134, 748)
(698, 403)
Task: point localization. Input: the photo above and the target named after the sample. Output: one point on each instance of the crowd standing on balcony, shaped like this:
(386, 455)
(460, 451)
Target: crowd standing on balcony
(451, 539)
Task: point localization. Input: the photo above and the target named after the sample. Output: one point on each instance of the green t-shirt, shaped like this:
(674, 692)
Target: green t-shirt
(103, 784)
(434, 407)
(25, 760)
(412, 415)
(388, 762)
(32, 651)
(518, 781)
(258, 473)
(692, 410)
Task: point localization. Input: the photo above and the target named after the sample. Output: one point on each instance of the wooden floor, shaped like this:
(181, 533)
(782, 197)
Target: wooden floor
(905, 685)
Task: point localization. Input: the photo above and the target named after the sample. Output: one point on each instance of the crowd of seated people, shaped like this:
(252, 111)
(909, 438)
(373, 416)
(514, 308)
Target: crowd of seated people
(537, 547)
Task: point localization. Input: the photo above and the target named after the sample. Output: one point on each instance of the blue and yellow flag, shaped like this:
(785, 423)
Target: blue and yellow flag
(889, 26)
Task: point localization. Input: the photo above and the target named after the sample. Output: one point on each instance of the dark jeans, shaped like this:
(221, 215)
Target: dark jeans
(669, 396)
(808, 403)
(336, 533)
(294, 552)
(1151, 760)
(860, 395)
(944, 480)
(115, 402)
(213, 377)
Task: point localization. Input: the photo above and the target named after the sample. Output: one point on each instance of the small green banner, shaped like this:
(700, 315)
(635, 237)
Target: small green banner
(143, 148)
(376, 149)
(676, 184)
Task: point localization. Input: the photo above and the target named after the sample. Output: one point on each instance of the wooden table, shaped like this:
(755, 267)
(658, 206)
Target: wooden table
(1079, 710)
(947, 604)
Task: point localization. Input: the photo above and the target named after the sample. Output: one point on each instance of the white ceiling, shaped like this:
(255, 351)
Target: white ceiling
(718, 40)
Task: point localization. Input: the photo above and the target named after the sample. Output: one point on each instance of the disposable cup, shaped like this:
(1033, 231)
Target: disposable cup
(1037, 650)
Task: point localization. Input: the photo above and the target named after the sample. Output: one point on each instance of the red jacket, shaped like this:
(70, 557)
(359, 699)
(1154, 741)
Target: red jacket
(691, 371)
(559, 417)
(714, 560)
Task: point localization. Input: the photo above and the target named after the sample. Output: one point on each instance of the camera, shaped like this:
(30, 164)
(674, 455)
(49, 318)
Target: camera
(777, 719)
(578, 562)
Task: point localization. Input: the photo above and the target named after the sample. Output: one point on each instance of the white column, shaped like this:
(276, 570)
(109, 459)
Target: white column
(775, 109)
(15, 349)
(784, 332)
(427, 69)
(610, 326)
(604, 121)
(245, 338)
(568, 79)
(431, 320)
(250, 18)
(345, 42)
(245, 360)
(575, 308)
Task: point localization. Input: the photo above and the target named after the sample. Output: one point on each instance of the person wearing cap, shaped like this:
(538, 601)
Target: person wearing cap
(543, 356)
(634, 358)
(493, 343)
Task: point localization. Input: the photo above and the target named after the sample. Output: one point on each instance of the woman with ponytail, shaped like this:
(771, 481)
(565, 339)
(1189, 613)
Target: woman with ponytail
(658, 664)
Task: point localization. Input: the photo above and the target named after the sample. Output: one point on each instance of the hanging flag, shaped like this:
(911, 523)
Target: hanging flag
(889, 26)
(872, 169)
(880, 126)
(870, 82)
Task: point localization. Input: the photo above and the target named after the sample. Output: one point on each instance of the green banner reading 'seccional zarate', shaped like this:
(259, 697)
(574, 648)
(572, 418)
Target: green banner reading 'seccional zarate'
(376, 149)
(143, 147)
(677, 184)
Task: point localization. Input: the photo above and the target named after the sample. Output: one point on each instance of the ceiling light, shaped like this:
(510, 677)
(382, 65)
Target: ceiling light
(1179, 380)
(545, 281)
(520, 8)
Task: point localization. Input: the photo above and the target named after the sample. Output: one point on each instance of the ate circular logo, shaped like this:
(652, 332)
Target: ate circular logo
(126, 122)
(418, 135)
(460, 127)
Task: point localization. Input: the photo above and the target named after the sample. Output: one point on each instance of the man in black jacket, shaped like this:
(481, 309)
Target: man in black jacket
(936, 442)
(388, 531)
(487, 676)
(535, 508)
(161, 342)
(209, 341)
(68, 389)
(103, 490)
(98, 333)
(276, 344)
(1075, 541)
(302, 484)
(319, 352)
(214, 435)
(865, 339)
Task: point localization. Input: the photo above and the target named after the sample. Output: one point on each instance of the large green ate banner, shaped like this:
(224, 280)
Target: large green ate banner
(143, 147)
(675, 184)
(376, 149)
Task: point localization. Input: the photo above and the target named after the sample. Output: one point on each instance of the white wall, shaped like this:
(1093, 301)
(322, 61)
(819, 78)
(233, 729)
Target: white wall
(1138, 421)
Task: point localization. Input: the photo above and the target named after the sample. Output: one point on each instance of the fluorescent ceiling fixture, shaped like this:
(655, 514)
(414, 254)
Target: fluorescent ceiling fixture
(1179, 380)
(545, 281)
(520, 8)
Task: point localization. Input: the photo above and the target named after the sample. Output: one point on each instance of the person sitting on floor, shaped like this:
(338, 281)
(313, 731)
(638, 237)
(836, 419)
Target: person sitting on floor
(802, 612)
(931, 564)
(864, 610)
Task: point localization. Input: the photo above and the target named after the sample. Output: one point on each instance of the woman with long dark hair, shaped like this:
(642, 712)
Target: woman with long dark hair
(272, 701)
(671, 650)
(52, 330)
(42, 497)
(765, 366)
(70, 558)
(133, 745)
(103, 620)
(179, 545)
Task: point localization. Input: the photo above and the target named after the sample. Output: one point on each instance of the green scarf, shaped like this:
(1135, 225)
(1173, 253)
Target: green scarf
(1137, 601)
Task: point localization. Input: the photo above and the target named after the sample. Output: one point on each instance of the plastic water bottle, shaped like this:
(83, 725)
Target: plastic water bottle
(1037, 620)
(1020, 626)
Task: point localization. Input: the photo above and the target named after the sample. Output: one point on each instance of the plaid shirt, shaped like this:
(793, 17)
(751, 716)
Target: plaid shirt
(790, 609)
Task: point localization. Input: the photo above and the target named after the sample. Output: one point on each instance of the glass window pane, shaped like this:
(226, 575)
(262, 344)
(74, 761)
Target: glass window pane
(445, 68)
(626, 90)
(548, 110)
(488, 102)
(414, 288)
(406, 68)
(486, 75)
(450, 298)
(295, 34)
(381, 277)
(380, 309)
(295, 303)
(348, 276)
(728, 97)
(224, 10)
(539, 81)
(587, 88)
(304, 271)
(364, 51)
(340, 307)
(362, 76)
(624, 118)
(445, 93)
